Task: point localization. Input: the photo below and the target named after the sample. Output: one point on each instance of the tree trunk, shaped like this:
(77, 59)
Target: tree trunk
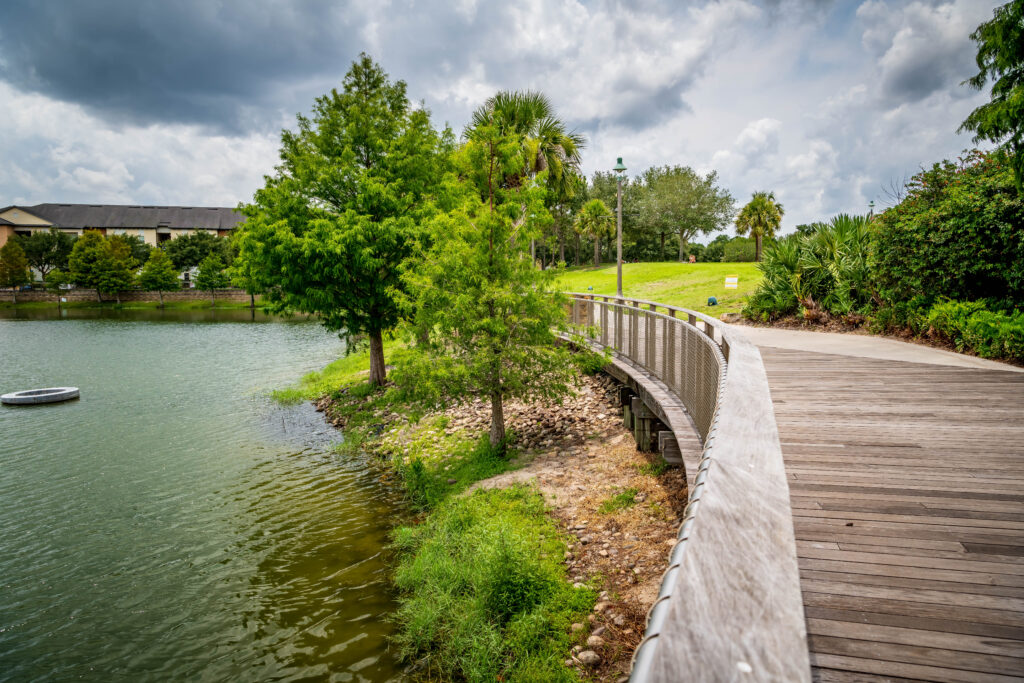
(757, 247)
(213, 298)
(497, 420)
(160, 293)
(561, 246)
(252, 301)
(117, 297)
(14, 293)
(99, 297)
(577, 249)
(661, 249)
(682, 247)
(597, 252)
(378, 374)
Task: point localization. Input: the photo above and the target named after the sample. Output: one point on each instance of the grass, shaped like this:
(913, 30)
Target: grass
(654, 469)
(483, 591)
(687, 285)
(131, 305)
(620, 501)
(343, 372)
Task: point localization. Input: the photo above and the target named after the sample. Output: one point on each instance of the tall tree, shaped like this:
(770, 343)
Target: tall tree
(328, 232)
(13, 267)
(159, 274)
(760, 218)
(47, 249)
(115, 270)
(211, 277)
(85, 259)
(678, 200)
(484, 315)
(1001, 59)
(595, 221)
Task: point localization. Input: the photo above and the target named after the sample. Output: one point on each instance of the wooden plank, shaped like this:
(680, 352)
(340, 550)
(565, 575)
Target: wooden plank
(931, 638)
(921, 656)
(905, 670)
(1008, 580)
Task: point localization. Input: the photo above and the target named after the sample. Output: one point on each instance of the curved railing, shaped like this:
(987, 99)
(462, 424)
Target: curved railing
(729, 607)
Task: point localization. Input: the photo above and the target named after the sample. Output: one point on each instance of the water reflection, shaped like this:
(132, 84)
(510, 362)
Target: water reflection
(175, 315)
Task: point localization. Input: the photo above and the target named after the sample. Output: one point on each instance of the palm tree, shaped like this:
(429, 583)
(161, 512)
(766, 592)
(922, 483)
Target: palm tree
(761, 217)
(594, 220)
(547, 145)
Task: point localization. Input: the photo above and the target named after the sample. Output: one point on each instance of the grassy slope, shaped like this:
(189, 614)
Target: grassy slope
(680, 284)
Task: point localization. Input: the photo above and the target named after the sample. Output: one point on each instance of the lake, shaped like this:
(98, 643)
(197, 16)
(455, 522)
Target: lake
(174, 523)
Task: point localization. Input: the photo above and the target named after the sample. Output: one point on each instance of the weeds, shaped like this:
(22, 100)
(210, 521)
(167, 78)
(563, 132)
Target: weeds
(654, 469)
(484, 595)
(620, 501)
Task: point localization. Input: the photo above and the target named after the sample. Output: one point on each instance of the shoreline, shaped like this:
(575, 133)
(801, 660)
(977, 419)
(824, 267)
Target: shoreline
(615, 508)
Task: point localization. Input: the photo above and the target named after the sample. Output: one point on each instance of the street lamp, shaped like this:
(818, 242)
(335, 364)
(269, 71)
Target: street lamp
(620, 172)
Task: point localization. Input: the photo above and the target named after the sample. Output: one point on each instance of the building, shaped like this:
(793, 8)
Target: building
(154, 224)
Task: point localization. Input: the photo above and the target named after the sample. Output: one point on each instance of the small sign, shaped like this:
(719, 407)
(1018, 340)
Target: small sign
(64, 299)
(732, 281)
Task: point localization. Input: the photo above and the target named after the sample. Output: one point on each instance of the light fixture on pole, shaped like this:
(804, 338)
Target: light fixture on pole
(620, 172)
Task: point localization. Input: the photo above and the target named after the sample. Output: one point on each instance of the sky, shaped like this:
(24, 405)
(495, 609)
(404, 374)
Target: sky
(826, 103)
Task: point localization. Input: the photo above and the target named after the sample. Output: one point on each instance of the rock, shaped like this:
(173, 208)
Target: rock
(453, 481)
(599, 631)
(569, 662)
(601, 607)
(576, 627)
(589, 658)
(619, 620)
(595, 641)
(591, 618)
(603, 553)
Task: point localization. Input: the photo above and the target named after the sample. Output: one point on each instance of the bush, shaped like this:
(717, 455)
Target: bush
(739, 250)
(821, 271)
(959, 233)
(484, 594)
(970, 325)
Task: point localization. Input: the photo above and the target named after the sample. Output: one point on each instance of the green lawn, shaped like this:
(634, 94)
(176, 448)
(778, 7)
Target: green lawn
(679, 284)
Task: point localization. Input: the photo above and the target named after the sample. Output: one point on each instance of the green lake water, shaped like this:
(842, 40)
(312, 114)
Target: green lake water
(174, 523)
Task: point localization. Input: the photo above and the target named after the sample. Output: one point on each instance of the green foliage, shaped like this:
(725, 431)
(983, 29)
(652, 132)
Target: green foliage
(427, 483)
(739, 250)
(484, 595)
(714, 252)
(484, 317)
(654, 469)
(105, 265)
(970, 325)
(595, 220)
(211, 275)
(136, 247)
(959, 233)
(679, 201)
(761, 218)
(159, 274)
(329, 231)
(189, 250)
(825, 270)
(13, 266)
(1001, 59)
(620, 501)
(47, 249)
(55, 281)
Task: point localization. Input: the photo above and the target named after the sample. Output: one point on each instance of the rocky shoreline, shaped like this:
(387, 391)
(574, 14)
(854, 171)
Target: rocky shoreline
(620, 508)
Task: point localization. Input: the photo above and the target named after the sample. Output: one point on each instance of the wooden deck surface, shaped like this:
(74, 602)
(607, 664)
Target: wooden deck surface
(907, 489)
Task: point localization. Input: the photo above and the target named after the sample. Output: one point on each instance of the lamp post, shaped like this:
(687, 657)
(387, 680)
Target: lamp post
(620, 171)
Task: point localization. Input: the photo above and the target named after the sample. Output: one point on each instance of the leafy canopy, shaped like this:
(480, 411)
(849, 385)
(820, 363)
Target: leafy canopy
(1001, 59)
(13, 265)
(211, 274)
(327, 234)
(158, 273)
(189, 250)
(484, 316)
(47, 249)
(678, 200)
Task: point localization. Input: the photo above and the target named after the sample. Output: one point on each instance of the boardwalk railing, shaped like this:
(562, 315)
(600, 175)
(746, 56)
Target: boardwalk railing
(729, 607)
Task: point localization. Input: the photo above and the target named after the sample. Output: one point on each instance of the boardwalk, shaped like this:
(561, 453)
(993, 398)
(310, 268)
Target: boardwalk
(907, 488)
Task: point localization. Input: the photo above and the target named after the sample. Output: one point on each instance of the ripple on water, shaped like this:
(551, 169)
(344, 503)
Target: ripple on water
(173, 523)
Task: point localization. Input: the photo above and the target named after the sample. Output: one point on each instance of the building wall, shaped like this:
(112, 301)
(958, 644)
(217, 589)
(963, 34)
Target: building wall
(6, 232)
(23, 218)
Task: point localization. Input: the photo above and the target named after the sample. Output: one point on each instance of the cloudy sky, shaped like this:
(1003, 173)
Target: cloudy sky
(155, 102)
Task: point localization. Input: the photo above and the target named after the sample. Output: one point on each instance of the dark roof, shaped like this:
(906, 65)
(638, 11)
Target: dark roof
(4, 221)
(124, 216)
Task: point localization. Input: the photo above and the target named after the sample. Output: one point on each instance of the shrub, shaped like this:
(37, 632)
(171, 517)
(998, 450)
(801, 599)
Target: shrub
(824, 270)
(959, 233)
(739, 250)
(484, 594)
(970, 325)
